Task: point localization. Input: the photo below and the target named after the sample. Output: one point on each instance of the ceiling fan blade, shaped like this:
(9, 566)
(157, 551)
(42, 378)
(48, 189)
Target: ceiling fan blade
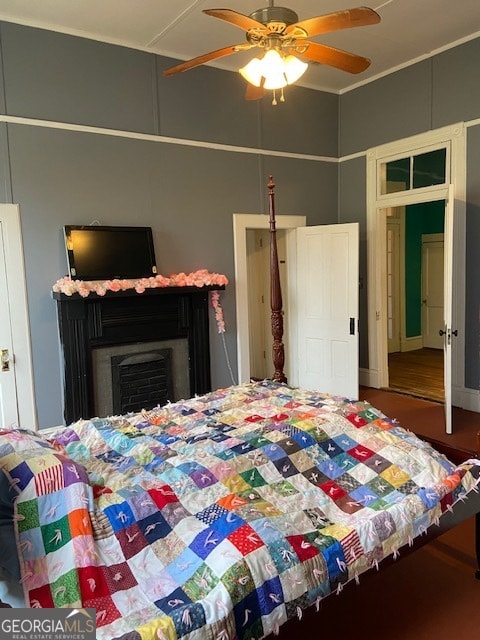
(206, 57)
(254, 93)
(333, 57)
(237, 19)
(358, 17)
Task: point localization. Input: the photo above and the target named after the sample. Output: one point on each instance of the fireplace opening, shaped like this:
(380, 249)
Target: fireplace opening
(131, 377)
(141, 380)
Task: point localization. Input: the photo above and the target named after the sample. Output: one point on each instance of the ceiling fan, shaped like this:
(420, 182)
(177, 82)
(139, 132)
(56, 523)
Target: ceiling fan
(284, 41)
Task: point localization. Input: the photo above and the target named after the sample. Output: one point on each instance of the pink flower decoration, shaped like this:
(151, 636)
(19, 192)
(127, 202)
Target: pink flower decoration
(112, 285)
(215, 300)
(200, 278)
(83, 289)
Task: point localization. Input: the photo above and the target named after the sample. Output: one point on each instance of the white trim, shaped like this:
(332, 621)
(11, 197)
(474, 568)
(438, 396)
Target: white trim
(409, 63)
(134, 135)
(432, 237)
(367, 378)
(352, 156)
(51, 432)
(150, 137)
(242, 222)
(472, 123)
(13, 248)
(454, 138)
(411, 344)
(468, 399)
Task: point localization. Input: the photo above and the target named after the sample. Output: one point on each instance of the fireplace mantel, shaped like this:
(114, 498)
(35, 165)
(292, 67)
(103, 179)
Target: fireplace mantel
(154, 291)
(124, 317)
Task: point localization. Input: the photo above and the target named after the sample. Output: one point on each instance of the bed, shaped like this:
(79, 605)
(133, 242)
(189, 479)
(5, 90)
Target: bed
(222, 516)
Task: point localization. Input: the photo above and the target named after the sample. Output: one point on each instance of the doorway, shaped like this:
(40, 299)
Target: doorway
(418, 373)
(259, 310)
(321, 314)
(403, 162)
(242, 224)
(415, 298)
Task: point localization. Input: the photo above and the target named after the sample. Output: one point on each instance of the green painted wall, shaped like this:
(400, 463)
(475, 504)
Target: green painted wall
(419, 219)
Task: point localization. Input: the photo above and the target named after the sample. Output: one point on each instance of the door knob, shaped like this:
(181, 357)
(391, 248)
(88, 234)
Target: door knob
(5, 360)
(442, 332)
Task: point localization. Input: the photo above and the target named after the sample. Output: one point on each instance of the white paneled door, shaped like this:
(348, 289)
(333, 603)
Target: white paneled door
(17, 402)
(327, 308)
(432, 290)
(8, 390)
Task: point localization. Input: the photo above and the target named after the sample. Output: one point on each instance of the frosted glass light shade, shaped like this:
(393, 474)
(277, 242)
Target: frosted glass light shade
(277, 70)
(294, 68)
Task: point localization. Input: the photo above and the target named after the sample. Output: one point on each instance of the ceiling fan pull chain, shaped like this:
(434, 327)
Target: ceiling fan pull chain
(282, 97)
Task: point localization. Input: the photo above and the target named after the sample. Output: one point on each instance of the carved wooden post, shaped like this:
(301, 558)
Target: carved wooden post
(275, 293)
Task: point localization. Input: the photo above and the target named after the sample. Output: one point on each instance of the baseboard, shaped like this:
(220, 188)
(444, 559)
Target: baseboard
(411, 344)
(468, 399)
(368, 378)
(50, 431)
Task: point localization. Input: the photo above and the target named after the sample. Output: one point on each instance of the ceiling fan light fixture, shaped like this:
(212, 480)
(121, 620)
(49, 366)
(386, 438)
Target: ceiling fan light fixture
(273, 70)
(252, 72)
(294, 68)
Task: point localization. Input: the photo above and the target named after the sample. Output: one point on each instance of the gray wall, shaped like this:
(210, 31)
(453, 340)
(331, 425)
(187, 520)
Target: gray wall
(472, 284)
(187, 194)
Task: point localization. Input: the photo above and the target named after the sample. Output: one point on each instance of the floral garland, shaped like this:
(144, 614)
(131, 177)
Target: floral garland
(215, 300)
(200, 278)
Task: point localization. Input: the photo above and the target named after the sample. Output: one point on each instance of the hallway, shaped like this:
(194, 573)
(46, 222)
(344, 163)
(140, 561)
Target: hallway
(418, 373)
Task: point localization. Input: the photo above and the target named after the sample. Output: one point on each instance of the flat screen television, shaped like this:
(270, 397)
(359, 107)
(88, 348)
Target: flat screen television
(97, 252)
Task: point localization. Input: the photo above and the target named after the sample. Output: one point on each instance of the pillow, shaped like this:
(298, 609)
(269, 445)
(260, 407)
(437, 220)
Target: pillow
(8, 556)
(16, 447)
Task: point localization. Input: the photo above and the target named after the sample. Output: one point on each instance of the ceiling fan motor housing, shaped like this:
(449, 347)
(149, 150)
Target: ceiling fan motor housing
(280, 15)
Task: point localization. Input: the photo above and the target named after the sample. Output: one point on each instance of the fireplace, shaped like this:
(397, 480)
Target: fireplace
(131, 377)
(141, 381)
(161, 336)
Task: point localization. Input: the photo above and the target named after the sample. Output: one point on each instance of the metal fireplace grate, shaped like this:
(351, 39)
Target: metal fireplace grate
(141, 380)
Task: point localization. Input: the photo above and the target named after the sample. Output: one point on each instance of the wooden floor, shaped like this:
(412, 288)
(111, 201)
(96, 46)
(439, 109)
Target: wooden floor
(416, 379)
(424, 596)
(419, 373)
(426, 417)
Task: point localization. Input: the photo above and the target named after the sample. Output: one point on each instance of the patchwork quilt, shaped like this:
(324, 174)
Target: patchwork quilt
(219, 517)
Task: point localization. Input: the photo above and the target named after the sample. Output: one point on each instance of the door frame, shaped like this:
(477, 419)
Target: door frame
(453, 138)
(20, 326)
(242, 222)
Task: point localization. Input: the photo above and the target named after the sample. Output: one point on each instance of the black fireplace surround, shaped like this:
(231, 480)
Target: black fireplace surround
(127, 317)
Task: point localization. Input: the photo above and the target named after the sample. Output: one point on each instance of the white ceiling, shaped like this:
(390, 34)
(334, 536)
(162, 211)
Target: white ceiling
(410, 30)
